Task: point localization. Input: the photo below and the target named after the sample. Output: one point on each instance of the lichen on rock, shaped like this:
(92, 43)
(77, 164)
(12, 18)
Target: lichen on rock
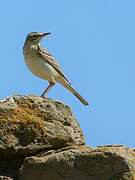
(41, 139)
(30, 123)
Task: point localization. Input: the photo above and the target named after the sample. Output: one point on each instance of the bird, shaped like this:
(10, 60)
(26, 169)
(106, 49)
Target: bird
(42, 64)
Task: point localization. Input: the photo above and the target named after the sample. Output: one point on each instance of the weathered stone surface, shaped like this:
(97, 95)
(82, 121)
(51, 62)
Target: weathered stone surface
(45, 133)
(81, 163)
(29, 124)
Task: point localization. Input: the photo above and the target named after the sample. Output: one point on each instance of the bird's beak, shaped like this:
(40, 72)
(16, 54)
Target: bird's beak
(46, 34)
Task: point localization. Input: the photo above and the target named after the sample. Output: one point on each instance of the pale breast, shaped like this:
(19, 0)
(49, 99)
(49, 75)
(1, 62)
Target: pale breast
(41, 68)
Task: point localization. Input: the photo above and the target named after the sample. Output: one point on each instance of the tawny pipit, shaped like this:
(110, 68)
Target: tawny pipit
(43, 64)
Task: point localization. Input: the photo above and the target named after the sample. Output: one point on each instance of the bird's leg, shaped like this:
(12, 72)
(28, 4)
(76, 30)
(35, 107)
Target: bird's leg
(51, 84)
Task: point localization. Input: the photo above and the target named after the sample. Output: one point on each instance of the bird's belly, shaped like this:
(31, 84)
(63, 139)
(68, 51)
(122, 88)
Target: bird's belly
(41, 68)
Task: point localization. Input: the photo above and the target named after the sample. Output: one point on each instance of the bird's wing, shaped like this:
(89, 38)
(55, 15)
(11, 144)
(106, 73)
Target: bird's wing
(42, 53)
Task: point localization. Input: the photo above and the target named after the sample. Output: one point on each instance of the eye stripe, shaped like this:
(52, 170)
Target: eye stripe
(34, 37)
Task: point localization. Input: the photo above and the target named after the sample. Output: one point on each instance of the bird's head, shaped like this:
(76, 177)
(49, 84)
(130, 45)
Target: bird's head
(35, 37)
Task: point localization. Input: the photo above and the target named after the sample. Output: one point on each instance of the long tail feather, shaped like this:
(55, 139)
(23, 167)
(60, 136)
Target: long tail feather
(72, 90)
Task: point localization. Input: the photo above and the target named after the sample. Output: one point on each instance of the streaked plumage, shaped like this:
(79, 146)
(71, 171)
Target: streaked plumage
(42, 64)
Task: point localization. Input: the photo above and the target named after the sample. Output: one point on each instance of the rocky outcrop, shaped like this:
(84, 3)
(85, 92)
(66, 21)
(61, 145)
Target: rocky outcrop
(31, 124)
(41, 139)
(81, 163)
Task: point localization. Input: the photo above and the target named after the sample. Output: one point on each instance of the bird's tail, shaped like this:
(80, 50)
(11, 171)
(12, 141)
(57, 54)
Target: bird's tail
(72, 90)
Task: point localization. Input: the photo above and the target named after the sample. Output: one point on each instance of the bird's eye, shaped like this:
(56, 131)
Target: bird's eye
(33, 37)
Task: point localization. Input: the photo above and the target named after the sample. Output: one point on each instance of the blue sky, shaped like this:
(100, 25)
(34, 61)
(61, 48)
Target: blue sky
(94, 41)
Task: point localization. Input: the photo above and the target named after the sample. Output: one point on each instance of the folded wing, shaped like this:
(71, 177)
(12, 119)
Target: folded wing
(42, 53)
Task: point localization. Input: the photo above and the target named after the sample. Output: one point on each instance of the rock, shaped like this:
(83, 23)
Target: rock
(30, 124)
(40, 139)
(81, 163)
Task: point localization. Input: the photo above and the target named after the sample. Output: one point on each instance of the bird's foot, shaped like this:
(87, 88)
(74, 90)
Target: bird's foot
(45, 97)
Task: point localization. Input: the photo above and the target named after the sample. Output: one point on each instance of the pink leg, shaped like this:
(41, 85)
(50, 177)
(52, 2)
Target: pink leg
(51, 84)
